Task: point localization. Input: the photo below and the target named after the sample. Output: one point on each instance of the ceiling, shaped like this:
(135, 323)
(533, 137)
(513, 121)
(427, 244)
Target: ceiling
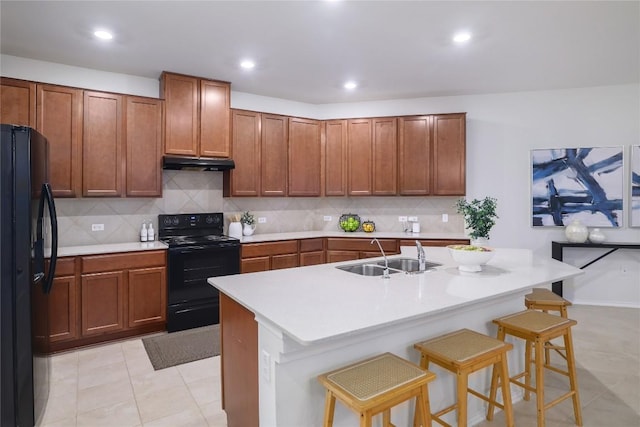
(306, 50)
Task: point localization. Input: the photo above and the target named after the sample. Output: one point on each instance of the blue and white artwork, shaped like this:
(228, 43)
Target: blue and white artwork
(584, 184)
(635, 186)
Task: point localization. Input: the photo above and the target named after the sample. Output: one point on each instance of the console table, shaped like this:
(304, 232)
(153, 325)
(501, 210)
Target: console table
(558, 247)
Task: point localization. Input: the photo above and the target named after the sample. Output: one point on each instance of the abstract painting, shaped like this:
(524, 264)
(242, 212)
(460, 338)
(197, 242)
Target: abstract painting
(583, 184)
(635, 185)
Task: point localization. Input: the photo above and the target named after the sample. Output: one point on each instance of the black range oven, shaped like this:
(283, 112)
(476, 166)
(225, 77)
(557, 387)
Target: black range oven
(197, 250)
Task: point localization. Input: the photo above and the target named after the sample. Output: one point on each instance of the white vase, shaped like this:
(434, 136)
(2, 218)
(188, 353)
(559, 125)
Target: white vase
(576, 232)
(235, 230)
(480, 241)
(597, 236)
(248, 229)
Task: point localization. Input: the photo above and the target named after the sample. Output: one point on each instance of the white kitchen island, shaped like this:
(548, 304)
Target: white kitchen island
(314, 319)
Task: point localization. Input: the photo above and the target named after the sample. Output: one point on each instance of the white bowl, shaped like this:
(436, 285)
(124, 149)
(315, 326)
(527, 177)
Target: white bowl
(472, 258)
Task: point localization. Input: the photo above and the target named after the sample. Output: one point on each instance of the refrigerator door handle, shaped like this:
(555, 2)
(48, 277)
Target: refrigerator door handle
(46, 195)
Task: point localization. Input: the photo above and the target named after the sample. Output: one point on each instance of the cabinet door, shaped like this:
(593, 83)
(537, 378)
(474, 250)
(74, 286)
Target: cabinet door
(181, 95)
(337, 256)
(102, 302)
(304, 157)
(244, 180)
(214, 118)
(147, 296)
(414, 150)
(335, 157)
(17, 102)
(273, 155)
(144, 147)
(385, 157)
(359, 157)
(311, 258)
(253, 265)
(63, 309)
(59, 118)
(284, 261)
(449, 154)
(102, 145)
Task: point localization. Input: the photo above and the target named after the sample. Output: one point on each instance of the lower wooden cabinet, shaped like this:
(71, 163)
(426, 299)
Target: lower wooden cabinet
(103, 297)
(348, 249)
(435, 242)
(268, 256)
(312, 252)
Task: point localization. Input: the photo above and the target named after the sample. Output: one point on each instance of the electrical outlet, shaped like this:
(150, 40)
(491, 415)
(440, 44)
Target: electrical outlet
(266, 366)
(262, 219)
(402, 219)
(445, 217)
(413, 219)
(327, 218)
(97, 227)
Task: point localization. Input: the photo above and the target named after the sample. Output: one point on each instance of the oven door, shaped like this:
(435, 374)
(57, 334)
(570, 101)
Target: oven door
(192, 301)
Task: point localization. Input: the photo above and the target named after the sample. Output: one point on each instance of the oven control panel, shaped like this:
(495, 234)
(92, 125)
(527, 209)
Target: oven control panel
(190, 221)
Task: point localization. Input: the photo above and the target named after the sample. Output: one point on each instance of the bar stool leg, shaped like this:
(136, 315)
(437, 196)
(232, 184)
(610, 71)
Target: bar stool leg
(573, 379)
(462, 398)
(539, 347)
(386, 418)
(329, 408)
(365, 419)
(506, 391)
(424, 407)
(527, 369)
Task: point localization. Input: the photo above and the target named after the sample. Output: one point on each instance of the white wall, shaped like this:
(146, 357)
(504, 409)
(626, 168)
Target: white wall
(501, 131)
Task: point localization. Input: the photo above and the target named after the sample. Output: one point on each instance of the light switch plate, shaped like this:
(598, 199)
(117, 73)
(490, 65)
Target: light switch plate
(413, 219)
(262, 219)
(402, 219)
(445, 217)
(97, 227)
(327, 218)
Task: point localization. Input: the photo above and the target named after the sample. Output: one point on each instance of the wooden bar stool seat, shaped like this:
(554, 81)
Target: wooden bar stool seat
(462, 353)
(537, 328)
(375, 385)
(545, 300)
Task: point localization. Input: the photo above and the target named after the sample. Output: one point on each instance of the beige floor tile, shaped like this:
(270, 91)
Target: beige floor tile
(96, 357)
(196, 370)
(91, 377)
(156, 381)
(187, 418)
(153, 406)
(59, 408)
(68, 422)
(205, 390)
(214, 414)
(138, 365)
(64, 366)
(104, 395)
(65, 387)
(121, 414)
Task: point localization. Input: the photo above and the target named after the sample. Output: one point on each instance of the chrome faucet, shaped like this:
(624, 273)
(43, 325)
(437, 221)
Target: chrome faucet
(422, 260)
(385, 275)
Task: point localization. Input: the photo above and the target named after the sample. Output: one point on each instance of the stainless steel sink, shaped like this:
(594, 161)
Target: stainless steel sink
(396, 265)
(366, 269)
(409, 265)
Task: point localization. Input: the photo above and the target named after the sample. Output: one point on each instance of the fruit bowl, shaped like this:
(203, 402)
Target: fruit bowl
(470, 258)
(349, 222)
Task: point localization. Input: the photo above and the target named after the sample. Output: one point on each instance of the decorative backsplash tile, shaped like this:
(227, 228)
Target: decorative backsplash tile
(193, 191)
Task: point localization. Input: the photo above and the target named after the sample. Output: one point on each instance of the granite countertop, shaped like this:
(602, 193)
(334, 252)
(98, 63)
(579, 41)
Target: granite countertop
(108, 248)
(292, 300)
(269, 237)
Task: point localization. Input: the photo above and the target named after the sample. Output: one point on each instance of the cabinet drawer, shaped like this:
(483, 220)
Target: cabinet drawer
(311, 245)
(284, 261)
(65, 266)
(347, 244)
(123, 261)
(252, 250)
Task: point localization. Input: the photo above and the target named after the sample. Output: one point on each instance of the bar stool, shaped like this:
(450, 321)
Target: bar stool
(537, 328)
(546, 301)
(462, 353)
(376, 385)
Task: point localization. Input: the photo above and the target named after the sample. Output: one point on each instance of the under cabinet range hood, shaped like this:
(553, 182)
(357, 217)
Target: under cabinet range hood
(197, 163)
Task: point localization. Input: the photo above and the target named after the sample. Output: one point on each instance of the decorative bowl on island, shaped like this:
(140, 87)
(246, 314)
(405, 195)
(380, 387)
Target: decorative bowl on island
(469, 257)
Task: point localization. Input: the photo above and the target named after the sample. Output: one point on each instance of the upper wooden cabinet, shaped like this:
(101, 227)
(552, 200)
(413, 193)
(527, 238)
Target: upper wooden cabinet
(197, 116)
(335, 158)
(432, 155)
(273, 155)
(144, 135)
(304, 157)
(102, 145)
(359, 157)
(449, 158)
(59, 119)
(385, 157)
(244, 180)
(17, 102)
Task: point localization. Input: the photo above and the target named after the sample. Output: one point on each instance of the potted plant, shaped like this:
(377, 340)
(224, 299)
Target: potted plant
(479, 216)
(248, 223)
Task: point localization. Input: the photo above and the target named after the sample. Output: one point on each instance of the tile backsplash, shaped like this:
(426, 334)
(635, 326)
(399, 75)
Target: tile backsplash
(192, 192)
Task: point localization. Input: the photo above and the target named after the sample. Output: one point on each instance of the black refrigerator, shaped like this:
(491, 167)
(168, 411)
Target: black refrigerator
(28, 227)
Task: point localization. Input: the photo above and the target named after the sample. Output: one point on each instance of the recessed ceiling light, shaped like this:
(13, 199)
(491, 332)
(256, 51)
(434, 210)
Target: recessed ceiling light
(350, 85)
(103, 35)
(247, 64)
(462, 37)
